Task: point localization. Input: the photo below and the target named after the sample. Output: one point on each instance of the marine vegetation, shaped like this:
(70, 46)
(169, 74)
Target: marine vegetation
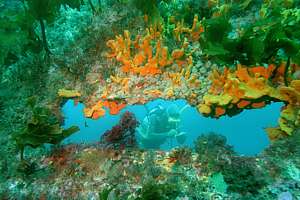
(42, 127)
(244, 176)
(150, 9)
(43, 11)
(121, 135)
(221, 57)
(213, 151)
(152, 190)
(258, 42)
(182, 155)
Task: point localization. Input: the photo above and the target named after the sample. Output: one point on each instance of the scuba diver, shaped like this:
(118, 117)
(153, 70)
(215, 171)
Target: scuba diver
(159, 125)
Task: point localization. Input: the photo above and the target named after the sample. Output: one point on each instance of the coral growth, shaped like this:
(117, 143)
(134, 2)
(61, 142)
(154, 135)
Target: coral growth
(213, 151)
(61, 156)
(123, 134)
(137, 56)
(291, 93)
(48, 47)
(289, 120)
(68, 93)
(233, 91)
(247, 88)
(98, 110)
(193, 33)
(181, 155)
(244, 175)
(150, 68)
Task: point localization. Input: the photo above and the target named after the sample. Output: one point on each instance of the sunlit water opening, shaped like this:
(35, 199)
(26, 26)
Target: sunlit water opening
(245, 132)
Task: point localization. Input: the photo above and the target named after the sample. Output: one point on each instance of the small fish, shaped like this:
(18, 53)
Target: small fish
(85, 124)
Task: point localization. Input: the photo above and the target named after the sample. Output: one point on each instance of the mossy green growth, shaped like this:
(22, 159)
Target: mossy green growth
(149, 8)
(243, 175)
(214, 40)
(277, 30)
(46, 10)
(16, 36)
(17, 32)
(152, 190)
(104, 194)
(213, 152)
(43, 127)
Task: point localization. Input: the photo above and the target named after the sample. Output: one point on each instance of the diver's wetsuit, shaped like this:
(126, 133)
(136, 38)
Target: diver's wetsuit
(157, 128)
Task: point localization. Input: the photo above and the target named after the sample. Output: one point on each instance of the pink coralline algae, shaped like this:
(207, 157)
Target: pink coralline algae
(121, 135)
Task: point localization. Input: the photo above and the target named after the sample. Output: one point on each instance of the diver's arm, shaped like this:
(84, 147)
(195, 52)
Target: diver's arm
(183, 108)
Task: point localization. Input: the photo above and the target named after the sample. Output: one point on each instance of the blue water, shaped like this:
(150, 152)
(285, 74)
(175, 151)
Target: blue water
(245, 132)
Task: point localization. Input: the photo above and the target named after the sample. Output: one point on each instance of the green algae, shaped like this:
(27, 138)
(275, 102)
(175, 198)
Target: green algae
(43, 127)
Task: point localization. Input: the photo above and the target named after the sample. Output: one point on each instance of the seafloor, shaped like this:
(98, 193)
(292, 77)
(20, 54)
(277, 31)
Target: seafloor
(90, 172)
(222, 57)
